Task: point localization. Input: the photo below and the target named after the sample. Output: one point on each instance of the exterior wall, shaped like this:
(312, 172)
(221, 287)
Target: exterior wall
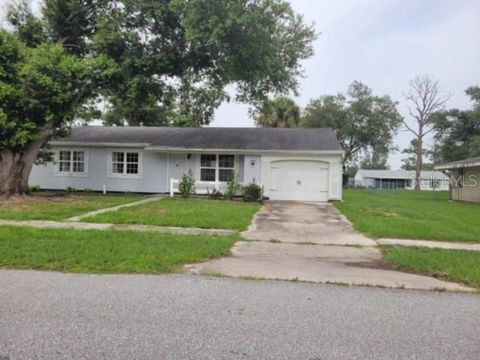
(334, 164)
(157, 168)
(153, 177)
(470, 191)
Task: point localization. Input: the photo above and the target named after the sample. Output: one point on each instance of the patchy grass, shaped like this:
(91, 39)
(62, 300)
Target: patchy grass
(95, 251)
(57, 208)
(455, 265)
(407, 214)
(201, 213)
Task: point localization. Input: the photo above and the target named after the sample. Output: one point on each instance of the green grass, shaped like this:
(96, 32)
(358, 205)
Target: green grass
(58, 207)
(411, 215)
(202, 213)
(95, 251)
(455, 265)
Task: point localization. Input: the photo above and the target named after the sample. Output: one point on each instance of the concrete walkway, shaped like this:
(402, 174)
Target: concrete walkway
(115, 208)
(312, 242)
(430, 244)
(103, 226)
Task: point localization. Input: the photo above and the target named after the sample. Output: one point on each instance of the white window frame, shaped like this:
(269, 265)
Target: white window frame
(71, 173)
(217, 167)
(124, 175)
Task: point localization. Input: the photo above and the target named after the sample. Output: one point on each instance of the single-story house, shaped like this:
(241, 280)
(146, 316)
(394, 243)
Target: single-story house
(290, 164)
(464, 179)
(400, 179)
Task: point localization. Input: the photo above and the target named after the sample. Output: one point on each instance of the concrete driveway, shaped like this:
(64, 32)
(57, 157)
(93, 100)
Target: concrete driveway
(306, 223)
(312, 242)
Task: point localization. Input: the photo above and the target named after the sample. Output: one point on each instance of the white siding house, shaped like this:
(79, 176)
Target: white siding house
(290, 164)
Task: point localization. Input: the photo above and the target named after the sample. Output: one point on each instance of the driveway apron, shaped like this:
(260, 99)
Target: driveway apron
(313, 242)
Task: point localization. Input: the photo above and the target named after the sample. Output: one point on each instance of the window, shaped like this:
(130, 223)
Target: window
(211, 170)
(208, 167)
(71, 162)
(125, 163)
(225, 167)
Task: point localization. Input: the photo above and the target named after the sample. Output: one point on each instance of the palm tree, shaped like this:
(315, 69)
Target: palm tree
(281, 112)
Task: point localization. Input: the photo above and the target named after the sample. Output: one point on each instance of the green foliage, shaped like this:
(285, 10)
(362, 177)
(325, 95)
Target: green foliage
(410, 162)
(187, 185)
(233, 187)
(280, 112)
(454, 265)
(405, 214)
(35, 188)
(202, 213)
(58, 206)
(364, 123)
(71, 189)
(98, 251)
(457, 133)
(41, 88)
(216, 195)
(252, 193)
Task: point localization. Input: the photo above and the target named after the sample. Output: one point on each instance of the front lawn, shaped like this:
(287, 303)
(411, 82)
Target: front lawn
(57, 208)
(201, 213)
(96, 251)
(455, 265)
(407, 214)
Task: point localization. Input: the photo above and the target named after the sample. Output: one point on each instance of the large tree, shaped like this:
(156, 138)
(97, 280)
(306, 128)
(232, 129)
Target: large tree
(425, 99)
(410, 162)
(457, 132)
(364, 123)
(280, 112)
(40, 90)
(145, 62)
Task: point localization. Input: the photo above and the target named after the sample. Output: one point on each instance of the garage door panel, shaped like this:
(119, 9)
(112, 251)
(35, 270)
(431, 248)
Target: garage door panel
(299, 180)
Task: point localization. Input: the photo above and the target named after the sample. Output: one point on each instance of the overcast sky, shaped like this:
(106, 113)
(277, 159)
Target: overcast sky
(385, 43)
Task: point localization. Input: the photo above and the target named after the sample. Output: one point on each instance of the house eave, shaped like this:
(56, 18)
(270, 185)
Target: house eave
(95, 144)
(243, 151)
(457, 166)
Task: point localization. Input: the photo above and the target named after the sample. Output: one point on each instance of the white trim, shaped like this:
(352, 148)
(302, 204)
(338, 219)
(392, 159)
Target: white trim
(124, 175)
(217, 167)
(70, 173)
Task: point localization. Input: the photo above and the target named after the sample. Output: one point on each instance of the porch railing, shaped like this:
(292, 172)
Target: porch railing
(201, 187)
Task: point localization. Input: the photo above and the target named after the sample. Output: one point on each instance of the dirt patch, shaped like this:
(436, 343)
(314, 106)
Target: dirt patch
(23, 203)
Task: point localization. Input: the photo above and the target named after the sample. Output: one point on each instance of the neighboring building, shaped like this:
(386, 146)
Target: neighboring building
(464, 179)
(290, 164)
(400, 179)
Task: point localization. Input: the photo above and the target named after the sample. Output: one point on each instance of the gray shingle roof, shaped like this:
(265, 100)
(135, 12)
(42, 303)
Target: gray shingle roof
(460, 164)
(307, 139)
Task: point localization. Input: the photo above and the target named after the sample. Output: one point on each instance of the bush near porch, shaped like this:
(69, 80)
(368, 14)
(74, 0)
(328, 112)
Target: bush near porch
(407, 214)
(191, 212)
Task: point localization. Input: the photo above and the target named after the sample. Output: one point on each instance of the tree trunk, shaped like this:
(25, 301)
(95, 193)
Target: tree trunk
(419, 162)
(15, 166)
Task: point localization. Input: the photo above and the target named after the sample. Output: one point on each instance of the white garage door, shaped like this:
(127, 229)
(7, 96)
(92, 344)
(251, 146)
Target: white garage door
(299, 180)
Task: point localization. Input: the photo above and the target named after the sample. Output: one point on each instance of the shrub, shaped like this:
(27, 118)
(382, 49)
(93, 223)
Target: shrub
(71, 189)
(187, 185)
(233, 187)
(252, 192)
(216, 195)
(35, 188)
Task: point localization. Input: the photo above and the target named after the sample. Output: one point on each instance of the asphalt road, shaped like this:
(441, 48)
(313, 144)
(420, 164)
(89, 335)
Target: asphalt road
(64, 316)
